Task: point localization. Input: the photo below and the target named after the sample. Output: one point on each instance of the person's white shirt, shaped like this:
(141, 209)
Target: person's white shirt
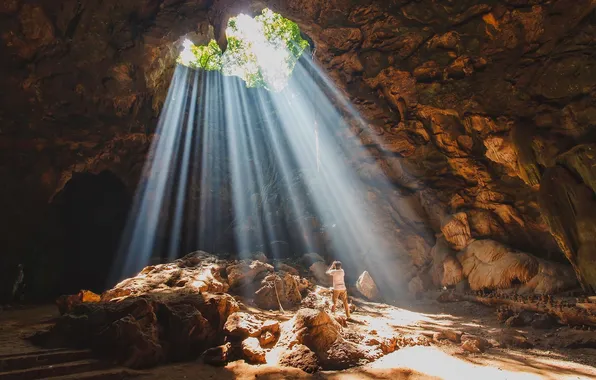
(338, 278)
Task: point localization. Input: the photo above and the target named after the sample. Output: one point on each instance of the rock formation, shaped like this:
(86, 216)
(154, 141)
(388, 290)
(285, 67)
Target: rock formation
(180, 311)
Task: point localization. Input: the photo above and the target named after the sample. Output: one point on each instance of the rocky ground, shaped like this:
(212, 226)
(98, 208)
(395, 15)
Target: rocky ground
(248, 319)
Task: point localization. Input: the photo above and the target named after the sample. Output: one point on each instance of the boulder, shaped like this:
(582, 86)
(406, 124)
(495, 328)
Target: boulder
(218, 356)
(270, 326)
(252, 351)
(276, 289)
(217, 308)
(367, 287)
(267, 339)
(318, 270)
(198, 271)
(322, 334)
(309, 259)
(260, 256)
(242, 325)
(282, 267)
(186, 333)
(245, 272)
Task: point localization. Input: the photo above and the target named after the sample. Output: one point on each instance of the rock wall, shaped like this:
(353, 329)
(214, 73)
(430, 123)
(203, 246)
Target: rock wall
(481, 113)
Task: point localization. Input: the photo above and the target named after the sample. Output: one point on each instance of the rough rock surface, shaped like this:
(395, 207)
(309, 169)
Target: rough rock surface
(300, 356)
(252, 351)
(480, 114)
(242, 325)
(318, 331)
(488, 264)
(318, 270)
(282, 288)
(367, 287)
(163, 320)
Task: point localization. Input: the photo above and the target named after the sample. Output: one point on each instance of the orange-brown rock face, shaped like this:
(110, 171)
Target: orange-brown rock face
(474, 110)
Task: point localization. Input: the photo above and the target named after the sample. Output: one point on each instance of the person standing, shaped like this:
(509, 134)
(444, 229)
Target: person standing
(339, 286)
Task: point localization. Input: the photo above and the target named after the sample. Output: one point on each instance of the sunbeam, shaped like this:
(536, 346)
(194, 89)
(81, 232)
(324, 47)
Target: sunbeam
(243, 169)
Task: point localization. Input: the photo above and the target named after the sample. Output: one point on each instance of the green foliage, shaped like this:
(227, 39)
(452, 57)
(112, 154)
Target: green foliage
(207, 57)
(251, 44)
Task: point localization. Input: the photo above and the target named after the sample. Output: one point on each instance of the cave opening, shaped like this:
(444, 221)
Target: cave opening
(261, 50)
(87, 217)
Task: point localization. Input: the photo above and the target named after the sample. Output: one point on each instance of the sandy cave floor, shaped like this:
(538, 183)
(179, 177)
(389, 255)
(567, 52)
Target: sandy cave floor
(426, 360)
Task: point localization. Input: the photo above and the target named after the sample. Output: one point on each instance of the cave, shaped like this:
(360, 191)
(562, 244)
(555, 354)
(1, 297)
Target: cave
(90, 212)
(179, 179)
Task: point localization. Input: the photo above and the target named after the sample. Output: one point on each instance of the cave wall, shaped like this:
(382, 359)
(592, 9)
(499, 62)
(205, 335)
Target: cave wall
(481, 113)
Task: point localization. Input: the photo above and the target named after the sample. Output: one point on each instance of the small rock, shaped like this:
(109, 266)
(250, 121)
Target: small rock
(67, 303)
(242, 325)
(454, 336)
(367, 287)
(504, 314)
(245, 272)
(276, 289)
(252, 351)
(271, 326)
(386, 344)
(342, 320)
(474, 344)
(514, 340)
(218, 356)
(267, 338)
(515, 321)
(89, 296)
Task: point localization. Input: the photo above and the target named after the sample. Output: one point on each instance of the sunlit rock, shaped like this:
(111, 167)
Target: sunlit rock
(474, 344)
(318, 270)
(322, 334)
(456, 230)
(489, 264)
(245, 272)
(197, 271)
(310, 258)
(252, 351)
(279, 289)
(242, 325)
(396, 85)
(366, 285)
(286, 268)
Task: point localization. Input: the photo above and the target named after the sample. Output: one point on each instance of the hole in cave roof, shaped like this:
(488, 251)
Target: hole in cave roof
(263, 50)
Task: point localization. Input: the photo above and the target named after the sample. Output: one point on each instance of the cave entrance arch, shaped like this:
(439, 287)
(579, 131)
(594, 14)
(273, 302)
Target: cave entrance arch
(88, 217)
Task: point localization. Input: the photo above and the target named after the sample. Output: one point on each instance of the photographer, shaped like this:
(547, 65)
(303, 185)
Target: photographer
(339, 286)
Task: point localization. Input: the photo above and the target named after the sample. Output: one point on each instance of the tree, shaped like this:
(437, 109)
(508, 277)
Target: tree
(249, 43)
